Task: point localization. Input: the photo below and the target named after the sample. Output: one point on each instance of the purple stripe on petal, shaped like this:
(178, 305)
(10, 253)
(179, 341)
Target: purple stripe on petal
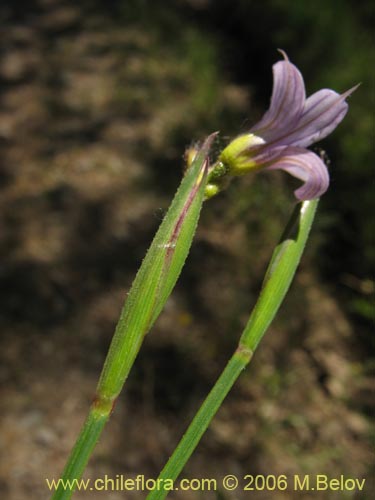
(308, 167)
(323, 111)
(262, 155)
(287, 101)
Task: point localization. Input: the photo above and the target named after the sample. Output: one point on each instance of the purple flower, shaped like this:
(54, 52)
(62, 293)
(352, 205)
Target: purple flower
(280, 138)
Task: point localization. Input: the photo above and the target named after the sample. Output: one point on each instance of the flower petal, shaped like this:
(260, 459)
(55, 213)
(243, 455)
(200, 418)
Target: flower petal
(265, 154)
(323, 111)
(306, 166)
(287, 101)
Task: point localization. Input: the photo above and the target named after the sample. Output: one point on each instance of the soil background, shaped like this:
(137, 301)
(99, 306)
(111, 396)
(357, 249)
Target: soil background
(98, 102)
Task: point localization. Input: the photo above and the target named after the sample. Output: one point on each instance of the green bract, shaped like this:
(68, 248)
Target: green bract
(150, 290)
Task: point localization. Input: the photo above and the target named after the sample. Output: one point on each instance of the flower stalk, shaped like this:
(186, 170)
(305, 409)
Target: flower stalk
(280, 272)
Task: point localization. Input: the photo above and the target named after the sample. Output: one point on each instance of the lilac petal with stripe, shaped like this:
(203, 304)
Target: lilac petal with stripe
(263, 155)
(323, 111)
(287, 101)
(308, 167)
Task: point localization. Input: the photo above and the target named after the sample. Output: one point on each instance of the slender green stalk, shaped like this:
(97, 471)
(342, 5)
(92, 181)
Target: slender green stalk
(201, 421)
(279, 275)
(82, 450)
(150, 290)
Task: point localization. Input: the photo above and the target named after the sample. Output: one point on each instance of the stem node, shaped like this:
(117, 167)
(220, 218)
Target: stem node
(244, 353)
(104, 405)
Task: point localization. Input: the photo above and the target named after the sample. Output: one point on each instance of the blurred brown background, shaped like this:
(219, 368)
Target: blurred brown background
(98, 102)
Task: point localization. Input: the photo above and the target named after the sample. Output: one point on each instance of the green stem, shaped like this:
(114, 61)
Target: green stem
(201, 421)
(81, 452)
(279, 275)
